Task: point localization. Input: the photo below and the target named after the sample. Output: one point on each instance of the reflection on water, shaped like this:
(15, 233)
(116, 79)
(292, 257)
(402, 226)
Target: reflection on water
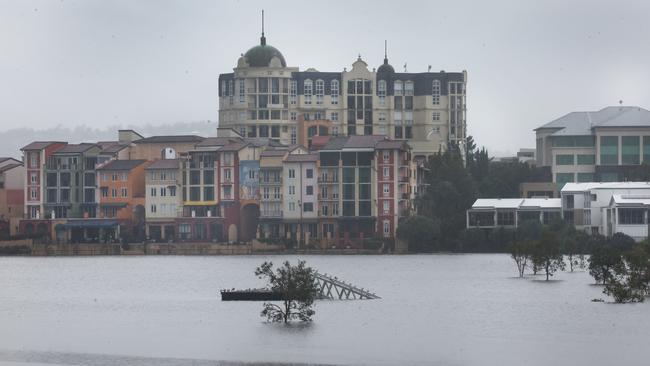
(435, 309)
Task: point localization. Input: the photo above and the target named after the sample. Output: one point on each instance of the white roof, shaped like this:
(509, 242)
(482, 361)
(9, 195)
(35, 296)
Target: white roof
(631, 199)
(517, 203)
(583, 187)
(542, 203)
(493, 203)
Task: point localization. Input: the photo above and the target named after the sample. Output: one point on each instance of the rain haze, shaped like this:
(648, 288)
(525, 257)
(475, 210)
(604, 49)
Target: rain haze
(97, 63)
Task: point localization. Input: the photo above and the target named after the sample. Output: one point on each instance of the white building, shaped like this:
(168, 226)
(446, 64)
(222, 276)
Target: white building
(585, 205)
(628, 214)
(300, 207)
(510, 212)
(163, 198)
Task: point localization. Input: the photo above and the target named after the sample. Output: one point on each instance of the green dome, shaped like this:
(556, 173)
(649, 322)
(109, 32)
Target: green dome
(261, 55)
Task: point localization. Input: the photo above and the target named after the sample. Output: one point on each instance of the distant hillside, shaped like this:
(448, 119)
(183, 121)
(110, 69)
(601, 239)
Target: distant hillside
(12, 140)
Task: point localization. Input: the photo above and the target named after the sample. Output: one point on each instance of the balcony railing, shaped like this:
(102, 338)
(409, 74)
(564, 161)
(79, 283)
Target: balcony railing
(328, 180)
(271, 214)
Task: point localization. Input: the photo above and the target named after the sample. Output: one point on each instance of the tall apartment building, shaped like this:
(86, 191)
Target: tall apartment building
(594, 146)
(263, 97)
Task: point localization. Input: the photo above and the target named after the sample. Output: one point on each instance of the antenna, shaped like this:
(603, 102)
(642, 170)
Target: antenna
(263, 39)
(385, 48)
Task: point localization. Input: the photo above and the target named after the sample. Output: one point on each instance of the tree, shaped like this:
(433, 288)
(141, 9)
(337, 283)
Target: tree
(297, 287)
(630, 282)
(546, 254)
(420, 232)
(604, 262)
(520, 251)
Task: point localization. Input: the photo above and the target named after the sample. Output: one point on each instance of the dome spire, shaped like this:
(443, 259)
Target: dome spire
(263, 39)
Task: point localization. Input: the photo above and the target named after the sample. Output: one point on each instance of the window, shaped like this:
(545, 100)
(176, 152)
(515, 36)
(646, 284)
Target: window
(630, 150)
(104, 191)
(386, 206)
(163, 192)
(113, 192)
(324, 210)
(153, 208)
(309, 190)
(294, 135)
(33, 160)
(33, 193)
(334, 92)
(386, 190)
(308, 207)
(408, 88)
(386, 169)
(386, 228)
(242, 91)
(33, 178)
(505, 218)
(125, 192)
(320, 91)
(227, 175)
(293, 91)
(609, 177)
(382, 116)
(251, 174)
(631, 216)
(381, 92)
(230, 91)
(561, 159)
(585, 177)
(609, 150)
(646, 149)
(309, 173)
(586, 159)
(334, 117)
(308, 90)
(435, 92)
(562, 178)
(172, 191)
(292, 189)
(435, 116)
(398, 88)
(292, 173)
(292, 206)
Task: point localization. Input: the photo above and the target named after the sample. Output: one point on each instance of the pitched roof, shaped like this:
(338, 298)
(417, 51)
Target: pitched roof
(362, 142)
(389, 144)
(274, 152)
(112, 148)
(4, 159)
(4, 168)
(121, 164)
(235, 146)
(631, 199)
(164, 164)
(217, 141)
(75, 148)
(40, 145)
(295, 158)
(582, 123)
(170, 139)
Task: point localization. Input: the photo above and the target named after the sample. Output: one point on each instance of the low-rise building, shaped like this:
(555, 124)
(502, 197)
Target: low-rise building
(628, 214)
(511, 212)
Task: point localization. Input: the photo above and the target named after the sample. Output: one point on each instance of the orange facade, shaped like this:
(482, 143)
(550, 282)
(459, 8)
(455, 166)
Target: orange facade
(122, 189)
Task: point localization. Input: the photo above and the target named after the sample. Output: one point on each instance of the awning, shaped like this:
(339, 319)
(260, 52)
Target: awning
(113, 204)
(90, 223)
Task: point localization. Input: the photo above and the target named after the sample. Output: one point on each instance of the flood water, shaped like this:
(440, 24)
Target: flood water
(434, 310)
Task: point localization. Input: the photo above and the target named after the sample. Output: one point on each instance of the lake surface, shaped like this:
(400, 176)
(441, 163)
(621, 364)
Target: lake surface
(434, 310)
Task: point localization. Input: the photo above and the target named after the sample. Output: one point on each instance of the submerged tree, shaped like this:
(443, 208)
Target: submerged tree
(297, 287)
(546, 254)
(604, 262)
(630, 280)
(521, 253)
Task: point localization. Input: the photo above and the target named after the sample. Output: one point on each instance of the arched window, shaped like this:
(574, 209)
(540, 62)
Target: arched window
(381, 92)
(398, 88)
(435, 92)
(408, 88)
(320, 91)
(334, 91)
(308, 90)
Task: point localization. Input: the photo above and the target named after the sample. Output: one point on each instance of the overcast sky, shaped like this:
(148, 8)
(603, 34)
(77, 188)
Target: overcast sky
(123, 62)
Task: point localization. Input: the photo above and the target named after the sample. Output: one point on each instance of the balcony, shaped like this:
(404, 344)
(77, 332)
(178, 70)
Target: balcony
(270, 214)
(403, 179)
(328, 180)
